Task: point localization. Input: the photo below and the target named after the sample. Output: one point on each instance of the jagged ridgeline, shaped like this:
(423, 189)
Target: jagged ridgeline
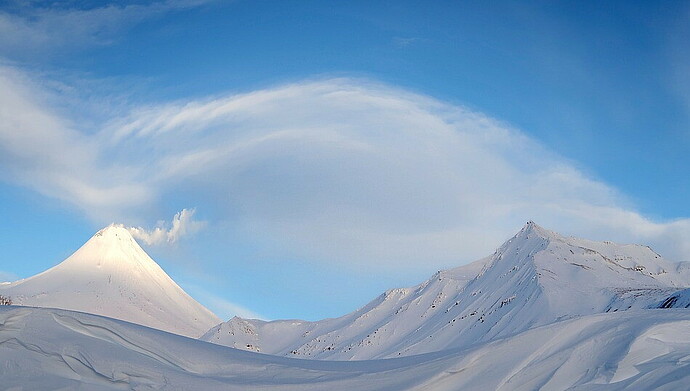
(535, 278)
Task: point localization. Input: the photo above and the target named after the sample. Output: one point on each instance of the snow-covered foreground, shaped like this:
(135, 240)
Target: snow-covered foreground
(59, 349)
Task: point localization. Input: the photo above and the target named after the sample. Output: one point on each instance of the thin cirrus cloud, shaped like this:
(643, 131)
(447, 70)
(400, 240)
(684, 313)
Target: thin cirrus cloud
(343, 171)
(40, 149)
(29, 28)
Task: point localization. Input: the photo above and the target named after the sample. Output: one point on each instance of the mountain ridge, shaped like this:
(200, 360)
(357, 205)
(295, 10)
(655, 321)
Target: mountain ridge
(535, 278)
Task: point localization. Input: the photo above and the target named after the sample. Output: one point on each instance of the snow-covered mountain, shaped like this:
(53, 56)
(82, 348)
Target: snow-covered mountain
(543, 312)
(50, 349)
(535, 278)
(111, 275)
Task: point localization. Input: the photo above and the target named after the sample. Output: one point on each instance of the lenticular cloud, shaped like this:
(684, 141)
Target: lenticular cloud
(357, 171)
(336, 170)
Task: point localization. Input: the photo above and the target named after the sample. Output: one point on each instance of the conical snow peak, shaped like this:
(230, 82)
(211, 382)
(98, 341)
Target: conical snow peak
(111, 275)
(114, 232)
(113, 245)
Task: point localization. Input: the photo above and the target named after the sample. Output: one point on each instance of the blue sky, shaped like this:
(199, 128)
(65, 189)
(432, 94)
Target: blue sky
(314, 154)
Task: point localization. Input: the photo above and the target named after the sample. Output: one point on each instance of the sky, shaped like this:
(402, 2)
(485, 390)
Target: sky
(294, 159)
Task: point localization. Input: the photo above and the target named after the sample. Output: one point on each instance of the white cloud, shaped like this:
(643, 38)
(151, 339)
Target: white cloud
(340, 170)
(31, 29)
(359, 172)
(182, 225)
(42, 150)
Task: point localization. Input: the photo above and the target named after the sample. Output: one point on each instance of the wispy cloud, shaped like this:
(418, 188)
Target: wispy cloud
(337, 170)
(355, 171)
(41, 28)
(181, 225)
(42, 150)
(403, 42)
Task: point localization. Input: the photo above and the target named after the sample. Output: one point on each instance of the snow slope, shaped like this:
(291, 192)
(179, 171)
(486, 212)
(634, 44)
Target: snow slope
(111, 275)
(535, 278)
(50, 349)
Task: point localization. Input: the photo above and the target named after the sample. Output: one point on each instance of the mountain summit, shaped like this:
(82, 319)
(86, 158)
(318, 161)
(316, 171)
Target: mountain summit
(111, 275)
(535, 278)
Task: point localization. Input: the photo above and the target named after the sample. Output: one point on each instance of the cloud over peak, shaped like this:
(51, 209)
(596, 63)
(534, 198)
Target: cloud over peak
(335, 170)
(181, 225)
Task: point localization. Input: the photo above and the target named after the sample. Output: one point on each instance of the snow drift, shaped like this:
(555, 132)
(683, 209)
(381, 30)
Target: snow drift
(57, 349)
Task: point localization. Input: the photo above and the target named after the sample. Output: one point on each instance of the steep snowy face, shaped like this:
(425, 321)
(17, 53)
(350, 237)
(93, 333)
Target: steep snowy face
(537, 277)
(112, 275)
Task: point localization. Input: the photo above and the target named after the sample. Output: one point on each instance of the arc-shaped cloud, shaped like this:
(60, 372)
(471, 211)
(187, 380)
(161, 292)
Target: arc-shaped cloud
(341, 170)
